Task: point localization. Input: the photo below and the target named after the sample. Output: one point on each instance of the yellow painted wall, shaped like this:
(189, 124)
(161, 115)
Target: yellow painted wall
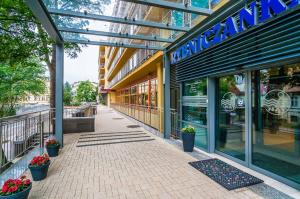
(160, 94)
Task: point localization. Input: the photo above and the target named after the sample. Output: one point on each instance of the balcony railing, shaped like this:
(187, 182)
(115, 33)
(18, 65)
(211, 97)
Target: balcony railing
(116, 59)
(134, 62)
(145, 114)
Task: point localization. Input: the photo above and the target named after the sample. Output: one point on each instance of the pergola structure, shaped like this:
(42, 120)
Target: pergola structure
(49, 14)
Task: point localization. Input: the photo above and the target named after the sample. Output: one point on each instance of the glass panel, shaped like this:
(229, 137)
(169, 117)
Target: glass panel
(195, 109)
(230, 134)
(276, 120)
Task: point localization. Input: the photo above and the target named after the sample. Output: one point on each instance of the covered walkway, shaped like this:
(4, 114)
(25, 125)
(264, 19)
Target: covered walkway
(136, 164)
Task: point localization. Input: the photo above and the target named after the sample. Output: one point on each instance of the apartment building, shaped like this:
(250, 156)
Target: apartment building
(133, 78)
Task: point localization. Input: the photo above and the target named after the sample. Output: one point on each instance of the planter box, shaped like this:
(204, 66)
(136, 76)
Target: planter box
(20, 195)
(53, 151)
(39, 173)
(188, 140)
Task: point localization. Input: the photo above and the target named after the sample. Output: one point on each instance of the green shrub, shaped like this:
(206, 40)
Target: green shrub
(188, 129)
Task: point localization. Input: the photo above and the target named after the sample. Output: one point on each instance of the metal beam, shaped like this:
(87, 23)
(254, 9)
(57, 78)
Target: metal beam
(40, 12)
(100, 43)
(118, 20)
(167, 96)
(173, 6)
(59, 93)
(118, 35)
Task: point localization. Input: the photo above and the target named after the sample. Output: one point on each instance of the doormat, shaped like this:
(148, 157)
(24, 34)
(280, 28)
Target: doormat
(226, 175)
(133, 126)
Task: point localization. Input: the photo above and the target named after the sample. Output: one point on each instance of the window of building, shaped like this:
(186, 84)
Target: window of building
(194, 108)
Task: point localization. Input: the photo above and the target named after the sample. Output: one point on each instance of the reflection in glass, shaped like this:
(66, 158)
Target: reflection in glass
(195, 109)
(230, 134)
(276, 120)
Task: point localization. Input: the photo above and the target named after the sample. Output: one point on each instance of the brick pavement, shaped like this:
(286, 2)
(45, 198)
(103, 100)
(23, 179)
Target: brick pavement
(135, 170)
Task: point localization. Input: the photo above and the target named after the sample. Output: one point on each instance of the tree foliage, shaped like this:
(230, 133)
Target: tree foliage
(17, 81)
(68, 95)
(22, 36)
(86, 92)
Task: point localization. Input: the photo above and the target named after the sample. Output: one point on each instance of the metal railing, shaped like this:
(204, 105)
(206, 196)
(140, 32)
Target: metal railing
(145, 114)
(19, 134)
(139, 57)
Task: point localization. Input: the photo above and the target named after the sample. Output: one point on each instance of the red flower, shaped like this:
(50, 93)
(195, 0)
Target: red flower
(27, 182)
(51, 142)
(4, 188)
(12, 186)
(13, 189)
(39, 160)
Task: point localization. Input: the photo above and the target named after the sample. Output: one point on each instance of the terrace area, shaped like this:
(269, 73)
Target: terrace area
(119, 161)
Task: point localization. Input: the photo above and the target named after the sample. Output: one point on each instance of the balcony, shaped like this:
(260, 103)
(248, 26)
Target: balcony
(139, 57)
(102, 70)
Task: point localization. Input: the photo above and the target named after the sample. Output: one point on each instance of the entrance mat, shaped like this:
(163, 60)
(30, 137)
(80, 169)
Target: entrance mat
(133, 126)
(226, 175)
(84, 145)
(105, 139)
(117, 118)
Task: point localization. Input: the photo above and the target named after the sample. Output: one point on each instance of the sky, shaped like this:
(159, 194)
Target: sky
(85, 67)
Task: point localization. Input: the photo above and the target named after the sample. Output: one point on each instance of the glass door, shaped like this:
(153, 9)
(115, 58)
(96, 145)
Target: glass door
(230, 125)
(276, 121)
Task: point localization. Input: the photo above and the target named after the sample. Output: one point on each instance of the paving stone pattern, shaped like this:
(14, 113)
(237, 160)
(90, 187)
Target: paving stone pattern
(133, 170)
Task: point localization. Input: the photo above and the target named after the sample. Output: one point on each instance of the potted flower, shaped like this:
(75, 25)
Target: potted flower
(39, 167)
(52, 147)
(16, 188)
(188, 138)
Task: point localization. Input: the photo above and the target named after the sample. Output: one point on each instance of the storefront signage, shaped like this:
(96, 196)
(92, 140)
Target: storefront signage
(228, 102)
(277, 102)
(221, 31)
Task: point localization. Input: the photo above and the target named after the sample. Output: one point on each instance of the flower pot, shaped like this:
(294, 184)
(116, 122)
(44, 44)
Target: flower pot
(52, 150)
(188, 140)
(39, 172)
(20, 195)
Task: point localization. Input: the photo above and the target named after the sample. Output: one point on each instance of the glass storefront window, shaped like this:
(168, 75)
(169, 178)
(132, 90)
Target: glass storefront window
(194, 109)
(230, 131)
(276, 120)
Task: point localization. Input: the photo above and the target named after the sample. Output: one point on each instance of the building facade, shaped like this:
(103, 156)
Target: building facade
(239, 76)
(133, 78)
(235, 77)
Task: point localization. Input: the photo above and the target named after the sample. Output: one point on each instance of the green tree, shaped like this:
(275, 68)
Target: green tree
(23, 36)
(18, 81)
(68, 95)
(86, 92)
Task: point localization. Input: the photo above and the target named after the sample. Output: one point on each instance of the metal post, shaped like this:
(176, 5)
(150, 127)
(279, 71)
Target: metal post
(59, 93)
(40, 129)
(42, 136)
(1, 154)
(211, 113)
(167, 111)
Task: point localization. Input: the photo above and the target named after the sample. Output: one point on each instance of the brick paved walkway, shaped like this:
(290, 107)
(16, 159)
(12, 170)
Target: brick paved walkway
(149, 169)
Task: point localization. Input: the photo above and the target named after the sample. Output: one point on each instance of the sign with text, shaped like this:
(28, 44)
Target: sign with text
(245, 19)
